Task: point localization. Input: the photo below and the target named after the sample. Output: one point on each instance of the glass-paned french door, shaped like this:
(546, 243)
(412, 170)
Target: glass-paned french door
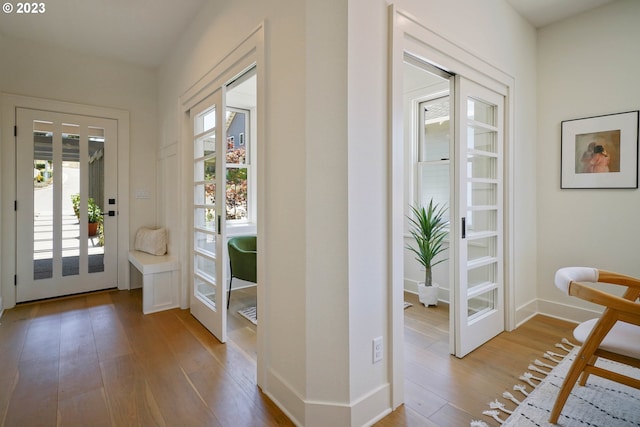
(479, 297)
(66, 199)
(208, 297)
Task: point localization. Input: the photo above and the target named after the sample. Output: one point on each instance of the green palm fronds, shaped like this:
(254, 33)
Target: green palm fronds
(429, 229)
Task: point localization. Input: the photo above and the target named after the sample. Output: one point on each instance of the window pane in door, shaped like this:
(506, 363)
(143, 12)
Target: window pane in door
(205, 169)
(205, 193)
(482, 220)
(481, 276)
(482, 139)
(481, 111)
(70, 198)
(205, 291)
(482, 304)
(482, 166)
(205, 267)
(205, 242)
(205, 121)
(97, 147)
(204, 146)
(482, 193)
(205, 218)
(481, 248)
(43, 178)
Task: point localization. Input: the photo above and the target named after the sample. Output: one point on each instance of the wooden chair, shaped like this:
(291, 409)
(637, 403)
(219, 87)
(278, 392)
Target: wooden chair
(614, 336)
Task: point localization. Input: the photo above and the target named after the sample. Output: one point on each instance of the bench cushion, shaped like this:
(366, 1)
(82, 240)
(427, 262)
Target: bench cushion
(151, 241)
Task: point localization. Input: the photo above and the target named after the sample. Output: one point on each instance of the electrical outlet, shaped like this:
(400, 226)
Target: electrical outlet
(377, 349)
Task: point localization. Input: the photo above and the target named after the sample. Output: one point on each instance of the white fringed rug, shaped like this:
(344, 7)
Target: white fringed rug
(601, 403)
(250, 313)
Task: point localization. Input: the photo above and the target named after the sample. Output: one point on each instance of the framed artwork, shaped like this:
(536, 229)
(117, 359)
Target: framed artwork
(600, 152)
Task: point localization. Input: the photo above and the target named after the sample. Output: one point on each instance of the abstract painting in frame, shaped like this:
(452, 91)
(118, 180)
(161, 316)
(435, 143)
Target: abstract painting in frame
(600, 152)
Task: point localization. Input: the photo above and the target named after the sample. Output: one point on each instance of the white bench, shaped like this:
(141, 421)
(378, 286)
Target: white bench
(160, 280)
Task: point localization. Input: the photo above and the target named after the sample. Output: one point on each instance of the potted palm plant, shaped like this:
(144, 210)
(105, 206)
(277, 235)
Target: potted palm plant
(429, 229)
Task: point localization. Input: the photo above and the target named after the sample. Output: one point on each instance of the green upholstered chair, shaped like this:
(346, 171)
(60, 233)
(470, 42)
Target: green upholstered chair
(242, 258)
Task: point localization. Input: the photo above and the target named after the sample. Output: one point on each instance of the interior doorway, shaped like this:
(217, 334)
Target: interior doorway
(428, 139)
(453, 145)
(214, 102)
(481, 268)
(224, 196)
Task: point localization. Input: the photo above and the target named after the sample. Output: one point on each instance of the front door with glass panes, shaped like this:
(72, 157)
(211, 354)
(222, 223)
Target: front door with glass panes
(66, 204)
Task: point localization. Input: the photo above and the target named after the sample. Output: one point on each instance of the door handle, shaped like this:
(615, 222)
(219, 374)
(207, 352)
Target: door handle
(464, 227)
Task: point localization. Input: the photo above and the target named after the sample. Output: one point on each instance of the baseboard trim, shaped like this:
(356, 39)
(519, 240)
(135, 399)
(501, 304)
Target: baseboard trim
(285, 398)
(372, 407)
(566, 312)
(553, 309)
(365, 411)
(526, 312)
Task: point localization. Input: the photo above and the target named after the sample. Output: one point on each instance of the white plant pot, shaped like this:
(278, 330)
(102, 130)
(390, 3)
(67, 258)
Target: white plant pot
(428, 295)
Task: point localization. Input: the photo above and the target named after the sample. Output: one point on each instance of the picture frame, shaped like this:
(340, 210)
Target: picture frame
(600, 151)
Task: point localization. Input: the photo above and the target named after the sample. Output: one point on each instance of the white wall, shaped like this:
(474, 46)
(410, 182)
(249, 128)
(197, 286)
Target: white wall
(480, 28)
(326, 228)
(219, 27)
(588, 66)
(41, 71)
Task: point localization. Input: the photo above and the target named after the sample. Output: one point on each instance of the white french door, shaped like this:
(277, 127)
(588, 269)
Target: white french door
(66, 177)
(209, 281)
(479, 294)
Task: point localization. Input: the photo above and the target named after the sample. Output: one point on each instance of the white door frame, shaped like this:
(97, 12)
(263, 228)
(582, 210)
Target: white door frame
(248, 53)
(407, 34)
(8, 182)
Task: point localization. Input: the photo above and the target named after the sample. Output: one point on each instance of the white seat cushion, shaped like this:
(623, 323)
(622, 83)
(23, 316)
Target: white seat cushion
(623, 338)
(151, 241)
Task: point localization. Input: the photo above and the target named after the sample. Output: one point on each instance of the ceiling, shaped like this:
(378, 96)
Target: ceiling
(544, 12)
(144, 31)
(136, 31)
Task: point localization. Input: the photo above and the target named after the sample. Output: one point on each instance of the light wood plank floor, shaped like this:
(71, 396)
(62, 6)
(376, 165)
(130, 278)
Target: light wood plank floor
(96, 360)
(442, 390)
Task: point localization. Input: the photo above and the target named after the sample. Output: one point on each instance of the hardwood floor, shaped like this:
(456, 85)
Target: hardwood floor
(97, 360)
(442, 390)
